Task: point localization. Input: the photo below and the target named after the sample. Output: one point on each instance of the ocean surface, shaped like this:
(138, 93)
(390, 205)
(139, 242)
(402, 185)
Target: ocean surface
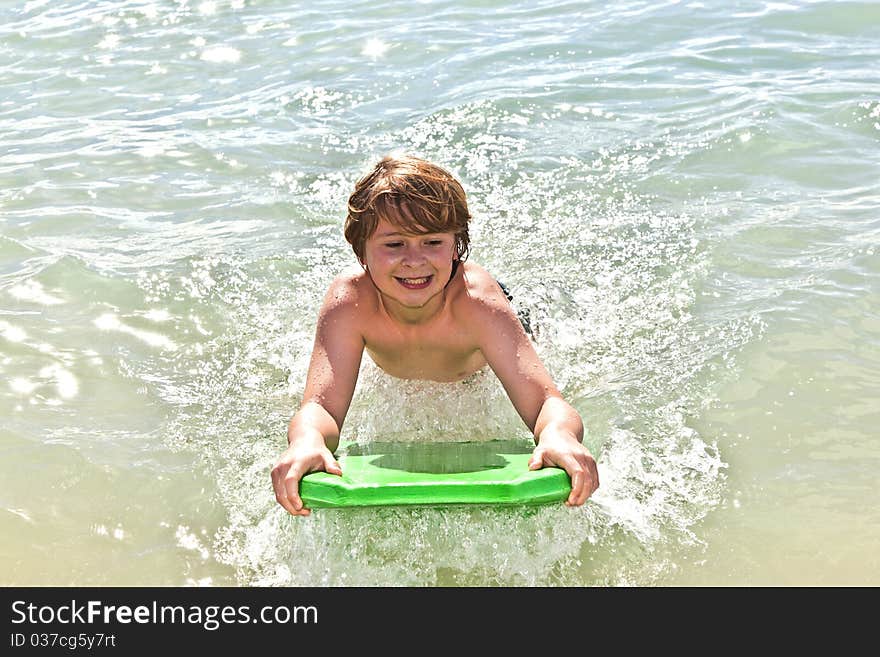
(684, 195)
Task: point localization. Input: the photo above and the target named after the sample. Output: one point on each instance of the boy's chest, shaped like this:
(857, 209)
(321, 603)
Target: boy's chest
(432, 353)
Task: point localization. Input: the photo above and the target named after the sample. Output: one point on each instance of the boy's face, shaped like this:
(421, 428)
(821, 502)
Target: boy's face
(409, 268)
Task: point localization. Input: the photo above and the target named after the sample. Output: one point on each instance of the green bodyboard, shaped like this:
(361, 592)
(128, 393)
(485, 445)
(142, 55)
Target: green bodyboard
(392, 474)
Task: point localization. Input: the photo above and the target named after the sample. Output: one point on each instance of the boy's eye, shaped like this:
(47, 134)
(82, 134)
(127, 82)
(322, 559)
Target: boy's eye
(435, 242)
(392, 245)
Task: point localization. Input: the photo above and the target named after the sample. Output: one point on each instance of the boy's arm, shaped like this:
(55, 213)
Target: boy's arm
(313, 432)
(556, 425)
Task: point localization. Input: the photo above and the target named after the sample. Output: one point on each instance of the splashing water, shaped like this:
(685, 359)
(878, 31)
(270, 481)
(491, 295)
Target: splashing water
(611, 288)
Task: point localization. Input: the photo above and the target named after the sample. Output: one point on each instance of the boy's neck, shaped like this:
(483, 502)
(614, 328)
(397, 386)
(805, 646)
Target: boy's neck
(413, 316)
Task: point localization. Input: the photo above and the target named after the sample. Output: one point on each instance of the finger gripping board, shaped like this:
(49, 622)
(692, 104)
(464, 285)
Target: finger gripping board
(392, 474)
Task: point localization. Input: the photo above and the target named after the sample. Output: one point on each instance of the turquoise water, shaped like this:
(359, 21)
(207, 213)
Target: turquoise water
(684, 194)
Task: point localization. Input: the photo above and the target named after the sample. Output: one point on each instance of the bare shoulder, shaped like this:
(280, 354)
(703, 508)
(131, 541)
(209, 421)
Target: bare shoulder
(480, 296)
(350, 294)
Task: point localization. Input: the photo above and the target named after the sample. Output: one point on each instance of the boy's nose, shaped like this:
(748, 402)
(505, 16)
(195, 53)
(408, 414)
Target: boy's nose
(413, 254)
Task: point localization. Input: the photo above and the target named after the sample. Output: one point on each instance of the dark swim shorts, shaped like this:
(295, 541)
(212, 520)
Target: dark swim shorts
(523, 314)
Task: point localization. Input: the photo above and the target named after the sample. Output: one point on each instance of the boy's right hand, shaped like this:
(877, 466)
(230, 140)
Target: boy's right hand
(298, 460)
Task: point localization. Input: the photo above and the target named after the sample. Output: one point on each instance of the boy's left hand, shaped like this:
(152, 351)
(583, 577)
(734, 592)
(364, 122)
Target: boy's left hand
(562, 450)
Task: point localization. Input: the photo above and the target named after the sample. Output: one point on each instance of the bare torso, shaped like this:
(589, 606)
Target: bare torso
(441, 347)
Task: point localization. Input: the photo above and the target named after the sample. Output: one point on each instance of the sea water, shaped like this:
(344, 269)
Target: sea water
(684, 195)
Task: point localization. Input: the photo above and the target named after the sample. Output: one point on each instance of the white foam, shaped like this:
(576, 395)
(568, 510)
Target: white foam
(189, 541)
(65, 382)
(388, 408)
(110, 322)
(109, 42)
(33, 291)
(23, 386)
(221, 55)
(12, 333)
(149, 11)
(375, 48)
(151, 150)
(34, 4)
(21, 513)
(157, 315)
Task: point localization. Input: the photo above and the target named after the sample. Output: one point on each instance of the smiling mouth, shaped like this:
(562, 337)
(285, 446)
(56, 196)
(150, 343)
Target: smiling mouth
(415, 283)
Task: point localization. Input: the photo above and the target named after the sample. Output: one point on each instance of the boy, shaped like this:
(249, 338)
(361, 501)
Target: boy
(421, 313)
